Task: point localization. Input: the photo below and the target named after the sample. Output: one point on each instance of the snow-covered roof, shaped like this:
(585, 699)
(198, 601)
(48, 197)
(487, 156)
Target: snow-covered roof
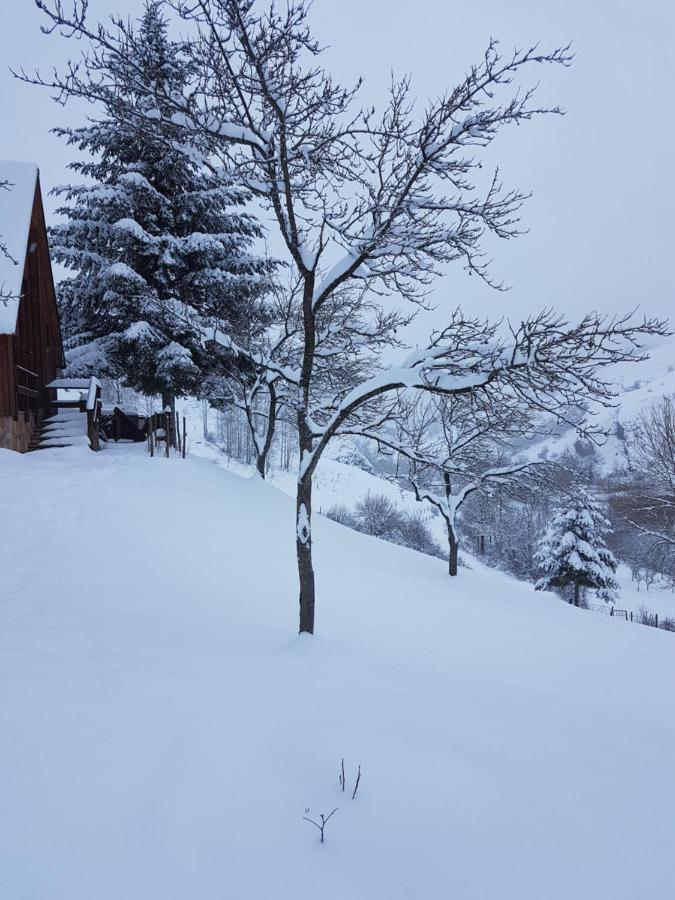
(16, 206)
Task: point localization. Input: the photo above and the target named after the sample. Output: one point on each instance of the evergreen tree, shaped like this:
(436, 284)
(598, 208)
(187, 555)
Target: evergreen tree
(160, 247)
(573, 551)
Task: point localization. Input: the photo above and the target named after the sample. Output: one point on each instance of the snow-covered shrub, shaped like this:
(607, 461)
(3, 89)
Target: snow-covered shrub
(348, 453)
(415, 534)
(379, 517)
(342, 514)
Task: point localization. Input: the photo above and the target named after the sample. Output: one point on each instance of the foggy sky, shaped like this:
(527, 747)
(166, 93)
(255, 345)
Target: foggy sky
(600, 233)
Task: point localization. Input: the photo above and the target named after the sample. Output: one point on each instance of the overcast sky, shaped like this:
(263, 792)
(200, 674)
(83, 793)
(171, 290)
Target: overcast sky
(600, 229)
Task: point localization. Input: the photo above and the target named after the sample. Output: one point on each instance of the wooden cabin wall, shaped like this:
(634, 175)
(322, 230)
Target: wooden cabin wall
(37, 342)
(7, 391)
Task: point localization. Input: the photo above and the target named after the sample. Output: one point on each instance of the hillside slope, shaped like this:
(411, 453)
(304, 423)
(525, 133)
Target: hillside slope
(164, 730)
(638, 387)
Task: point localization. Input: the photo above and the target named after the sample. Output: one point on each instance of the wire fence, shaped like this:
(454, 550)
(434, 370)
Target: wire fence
(643, 617)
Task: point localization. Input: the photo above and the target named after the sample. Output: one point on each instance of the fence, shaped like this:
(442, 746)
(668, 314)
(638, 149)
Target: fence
(642, 618)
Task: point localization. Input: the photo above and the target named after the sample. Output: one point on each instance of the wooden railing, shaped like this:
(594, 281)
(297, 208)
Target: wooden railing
(88, 401)
(27, 390)
(93, 406)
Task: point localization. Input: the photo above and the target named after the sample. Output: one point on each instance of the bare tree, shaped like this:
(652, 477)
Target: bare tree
(459, 449)
(651, 510)
(654, 444)
(368, 206)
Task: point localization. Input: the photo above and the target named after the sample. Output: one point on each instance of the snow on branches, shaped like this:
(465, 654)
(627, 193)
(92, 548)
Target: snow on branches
(573, 551)
(369, 205)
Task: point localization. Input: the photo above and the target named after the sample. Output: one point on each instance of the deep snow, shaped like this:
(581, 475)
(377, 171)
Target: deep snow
(163, 729)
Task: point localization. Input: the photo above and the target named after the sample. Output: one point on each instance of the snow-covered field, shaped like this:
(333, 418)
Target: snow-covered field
(633, 597)
(164, 729)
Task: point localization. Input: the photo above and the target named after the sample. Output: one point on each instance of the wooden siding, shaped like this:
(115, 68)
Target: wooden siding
(36, 344)
(7, 386)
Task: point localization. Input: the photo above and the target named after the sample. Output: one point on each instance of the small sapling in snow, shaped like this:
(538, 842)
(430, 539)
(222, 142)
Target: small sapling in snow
(356, 786)
(322, 824)
(343, 781)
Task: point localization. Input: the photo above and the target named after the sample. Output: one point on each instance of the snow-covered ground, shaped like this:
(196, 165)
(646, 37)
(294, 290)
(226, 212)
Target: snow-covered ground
(335, 484)
(657, 598)
(164, 729)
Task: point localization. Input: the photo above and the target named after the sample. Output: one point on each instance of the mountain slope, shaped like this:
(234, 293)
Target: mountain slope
(164, 730)
(638, 388)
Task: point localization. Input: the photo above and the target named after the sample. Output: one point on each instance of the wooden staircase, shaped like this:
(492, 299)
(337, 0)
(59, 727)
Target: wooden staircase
(75, 422)
(66, 428)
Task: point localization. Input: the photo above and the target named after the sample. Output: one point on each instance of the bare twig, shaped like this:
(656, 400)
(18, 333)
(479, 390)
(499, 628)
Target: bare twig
(356, 786)
(322, 824)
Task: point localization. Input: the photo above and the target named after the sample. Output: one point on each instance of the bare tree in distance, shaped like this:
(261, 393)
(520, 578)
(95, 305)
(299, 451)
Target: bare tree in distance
(454, 446)
(367, 203)
(652, 511)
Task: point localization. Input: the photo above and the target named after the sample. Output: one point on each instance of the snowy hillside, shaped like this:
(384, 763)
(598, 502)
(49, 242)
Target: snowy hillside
(639, 387)
(335, 484)
(164, 731)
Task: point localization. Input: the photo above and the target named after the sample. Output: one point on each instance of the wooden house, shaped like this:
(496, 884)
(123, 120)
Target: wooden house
(31, 349)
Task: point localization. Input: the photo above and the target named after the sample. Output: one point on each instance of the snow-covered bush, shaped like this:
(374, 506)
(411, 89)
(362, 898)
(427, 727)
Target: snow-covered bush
(342, 514)
(349, 454)
(379, 517)
(573, 551)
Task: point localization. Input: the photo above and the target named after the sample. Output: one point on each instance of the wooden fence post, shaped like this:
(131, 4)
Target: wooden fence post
(656, 618)
(184, 441)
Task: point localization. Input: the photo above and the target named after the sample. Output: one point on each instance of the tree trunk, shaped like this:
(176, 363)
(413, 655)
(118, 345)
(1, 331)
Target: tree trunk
(453, 544)
(169, 400)
(303, 544)
(205, 418)
(261, 461)
(576, 593)
(303, 532)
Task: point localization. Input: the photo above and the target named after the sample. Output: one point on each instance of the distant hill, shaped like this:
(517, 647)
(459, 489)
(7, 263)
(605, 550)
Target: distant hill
(639, 385)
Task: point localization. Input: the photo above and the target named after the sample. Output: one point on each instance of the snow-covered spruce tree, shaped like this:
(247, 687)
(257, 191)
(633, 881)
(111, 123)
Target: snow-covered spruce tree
(573, 552)
(159, 246)
(373, 203)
